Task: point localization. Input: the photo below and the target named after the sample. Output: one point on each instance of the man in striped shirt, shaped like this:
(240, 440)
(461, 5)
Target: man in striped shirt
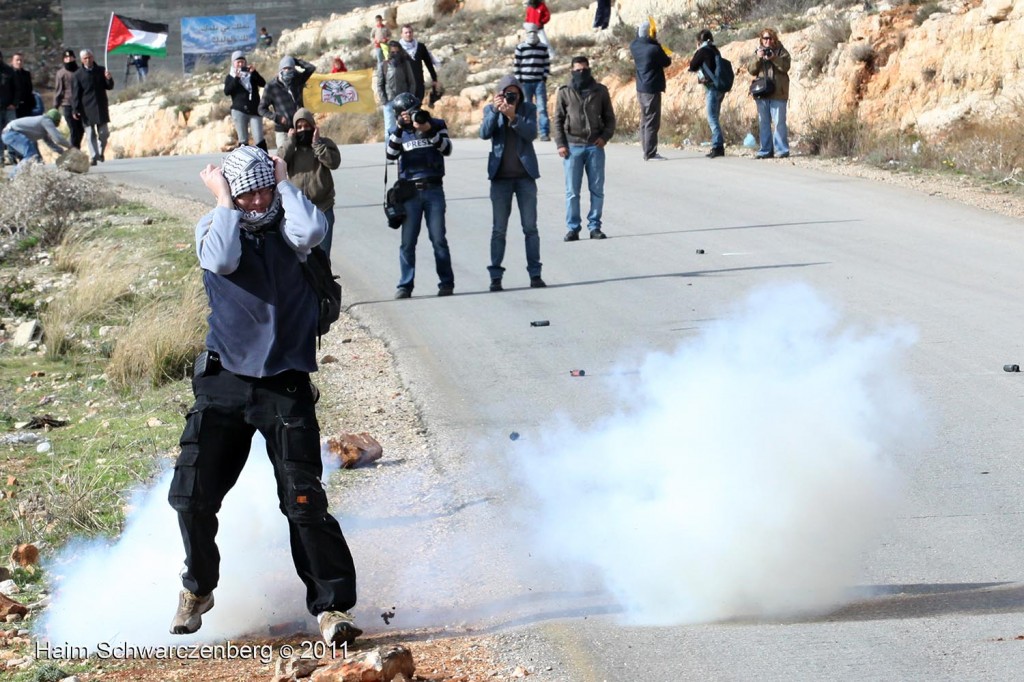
(531, 67)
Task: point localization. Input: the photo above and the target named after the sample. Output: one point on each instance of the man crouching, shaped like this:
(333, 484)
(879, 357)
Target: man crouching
(254, 375)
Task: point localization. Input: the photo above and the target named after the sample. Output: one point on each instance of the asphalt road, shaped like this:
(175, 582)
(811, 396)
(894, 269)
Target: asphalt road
(943, 592)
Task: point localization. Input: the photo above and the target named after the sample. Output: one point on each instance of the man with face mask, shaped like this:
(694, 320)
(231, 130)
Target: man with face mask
(584, 122)
(283, 95)
(62, 88)
(255, 376)
(310, 159)
(531, 67)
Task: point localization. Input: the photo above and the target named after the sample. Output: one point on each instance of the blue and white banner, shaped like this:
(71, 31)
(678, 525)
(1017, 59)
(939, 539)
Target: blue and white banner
(213, 39)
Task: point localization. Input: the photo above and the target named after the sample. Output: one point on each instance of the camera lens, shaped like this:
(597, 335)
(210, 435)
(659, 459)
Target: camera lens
(511, 97)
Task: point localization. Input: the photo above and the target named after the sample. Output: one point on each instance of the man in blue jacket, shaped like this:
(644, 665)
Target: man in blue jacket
(510, 123)
(254, 376)
(651, 60)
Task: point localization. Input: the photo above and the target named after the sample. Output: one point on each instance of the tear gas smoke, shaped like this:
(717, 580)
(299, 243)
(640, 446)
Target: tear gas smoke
(126, 591)
(746, 473)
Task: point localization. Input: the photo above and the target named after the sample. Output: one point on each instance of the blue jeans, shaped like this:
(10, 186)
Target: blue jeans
(6, 116)
(326, 243)
(21, 145)
(772, 113)
(591, 159)
(525, 190)
(428, 203)
(713, 101)
(390, 120)
(536, 92)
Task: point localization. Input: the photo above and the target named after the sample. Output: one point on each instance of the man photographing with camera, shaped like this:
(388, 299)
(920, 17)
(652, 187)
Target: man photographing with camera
(419, 144)
(510, 123)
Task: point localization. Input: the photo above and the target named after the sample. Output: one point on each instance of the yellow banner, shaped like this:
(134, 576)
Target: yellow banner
(349, 92)
(654, 32)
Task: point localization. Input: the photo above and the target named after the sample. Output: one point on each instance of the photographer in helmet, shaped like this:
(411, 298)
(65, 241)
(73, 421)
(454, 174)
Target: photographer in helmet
(419, 144)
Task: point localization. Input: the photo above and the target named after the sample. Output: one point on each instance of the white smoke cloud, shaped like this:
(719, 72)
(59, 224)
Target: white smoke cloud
(746, 473)
(126, 590)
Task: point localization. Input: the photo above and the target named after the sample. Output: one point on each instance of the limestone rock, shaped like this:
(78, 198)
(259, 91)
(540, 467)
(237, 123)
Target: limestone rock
(74, 161)
(25, 555)
(9, 607)
(355, 449)
(378, 665)
(291, 669)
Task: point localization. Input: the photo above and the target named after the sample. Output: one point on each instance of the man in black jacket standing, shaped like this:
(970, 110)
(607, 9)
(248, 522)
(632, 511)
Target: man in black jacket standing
(89, 103)
(7, 107)
(420, 56)
(242, 85)
(651, 60)
(24, 101)
(703, 64)
(63, 87)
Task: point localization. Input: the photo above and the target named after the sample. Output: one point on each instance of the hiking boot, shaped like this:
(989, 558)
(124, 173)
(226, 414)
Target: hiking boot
(715, 153)
(784, 155)
(496, 285)
(537, 283)
(337, 627)
(571, 236)
(445, 291)
(402, 292)
(545, 138)
(655, 157)
(596, 233)
(189, 616)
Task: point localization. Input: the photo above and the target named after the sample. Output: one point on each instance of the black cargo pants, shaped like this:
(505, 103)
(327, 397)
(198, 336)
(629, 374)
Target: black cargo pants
(229, 409)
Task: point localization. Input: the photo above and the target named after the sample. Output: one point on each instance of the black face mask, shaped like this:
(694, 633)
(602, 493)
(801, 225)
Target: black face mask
(71, 66)
(582, 79)
(304, 138)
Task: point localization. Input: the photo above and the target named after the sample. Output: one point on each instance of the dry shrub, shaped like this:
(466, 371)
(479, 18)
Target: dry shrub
(842, 134)
(43, 202)
(830, 34)
(162, 339)
(627, 122)
(107, 274)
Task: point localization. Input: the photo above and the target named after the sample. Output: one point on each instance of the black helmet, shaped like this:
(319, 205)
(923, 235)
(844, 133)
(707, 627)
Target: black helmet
(404, 102)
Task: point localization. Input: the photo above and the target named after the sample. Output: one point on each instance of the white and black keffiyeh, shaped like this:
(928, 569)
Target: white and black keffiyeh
(247, 169)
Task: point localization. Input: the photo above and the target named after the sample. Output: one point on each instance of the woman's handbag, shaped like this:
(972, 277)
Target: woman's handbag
(762, 87)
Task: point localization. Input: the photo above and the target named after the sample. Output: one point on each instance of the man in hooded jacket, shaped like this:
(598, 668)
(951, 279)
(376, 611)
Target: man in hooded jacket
(394, 76)
(310, 159)
(510, 123)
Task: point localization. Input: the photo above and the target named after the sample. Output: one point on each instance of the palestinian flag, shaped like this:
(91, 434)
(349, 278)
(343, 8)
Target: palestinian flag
(135, 36)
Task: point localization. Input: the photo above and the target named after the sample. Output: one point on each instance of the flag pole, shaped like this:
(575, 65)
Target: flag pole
(106, 47)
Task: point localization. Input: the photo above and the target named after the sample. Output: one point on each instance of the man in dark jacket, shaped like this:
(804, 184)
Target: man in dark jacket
(310, 159)
(584, 122)
(420, 57)
(7, 105)
(242, 85)
(510, 123)
(703, 63)
(419, 144)
(63, 88)
(255, 376)
(283, 95)
(393, 77)
(651, 60)
(89, 103)
(24, 100)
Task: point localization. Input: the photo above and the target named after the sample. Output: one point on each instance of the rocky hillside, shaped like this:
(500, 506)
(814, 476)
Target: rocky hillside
(921, 69)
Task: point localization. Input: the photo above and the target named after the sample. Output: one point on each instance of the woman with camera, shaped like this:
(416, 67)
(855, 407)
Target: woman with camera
(770, 68)
(242, 85)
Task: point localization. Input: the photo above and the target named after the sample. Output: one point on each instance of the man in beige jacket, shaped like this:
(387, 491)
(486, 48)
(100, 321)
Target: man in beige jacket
(310, 159)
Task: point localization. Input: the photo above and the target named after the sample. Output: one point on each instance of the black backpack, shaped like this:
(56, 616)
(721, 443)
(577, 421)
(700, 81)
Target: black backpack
(328, 291)
(722, 77)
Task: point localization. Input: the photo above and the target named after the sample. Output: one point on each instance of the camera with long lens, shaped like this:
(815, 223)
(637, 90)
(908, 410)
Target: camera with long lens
(511, 96)
(420, 116)
(768, 53)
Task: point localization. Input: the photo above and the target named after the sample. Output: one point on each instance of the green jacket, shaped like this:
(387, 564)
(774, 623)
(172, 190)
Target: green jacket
(777, 68)
(581, 118)
(309, 169)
